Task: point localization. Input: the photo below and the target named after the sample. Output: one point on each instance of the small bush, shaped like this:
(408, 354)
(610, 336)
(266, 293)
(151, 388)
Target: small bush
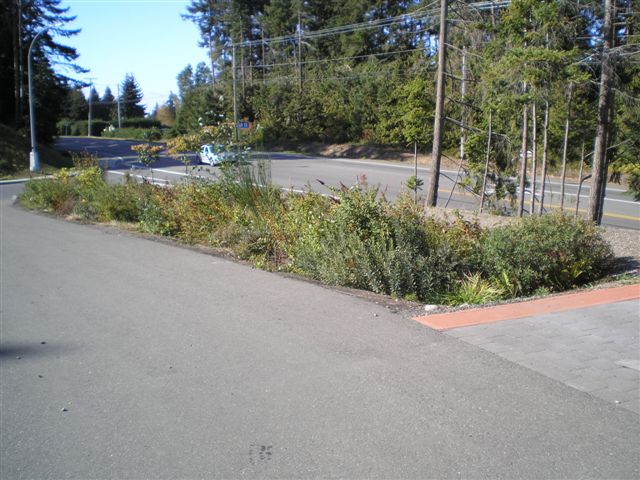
(81, 128)
(149, 134)
(552, 251)
(474, 289)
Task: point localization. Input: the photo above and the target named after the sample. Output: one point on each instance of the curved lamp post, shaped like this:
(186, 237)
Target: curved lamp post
(34, 159)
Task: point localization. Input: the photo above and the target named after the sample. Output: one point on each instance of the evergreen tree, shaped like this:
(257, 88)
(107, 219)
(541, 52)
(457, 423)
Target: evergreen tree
(19, 23)
(185, 81)
(94, 103)
(75, 106)
(202, 75)
(130, 98)
(107, 109)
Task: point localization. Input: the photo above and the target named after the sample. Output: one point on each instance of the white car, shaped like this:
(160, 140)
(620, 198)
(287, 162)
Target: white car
(214, 155)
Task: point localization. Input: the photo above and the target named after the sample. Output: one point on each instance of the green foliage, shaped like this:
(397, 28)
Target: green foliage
(51, 195)
(19, 23)
(551, 251)
(355, 239)
(473, 289)
(201, 105)
(131, 97)
(80, 128)
(149, 134)
(367, 243)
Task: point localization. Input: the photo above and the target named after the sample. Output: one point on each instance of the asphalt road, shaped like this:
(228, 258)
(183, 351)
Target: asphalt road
(122, 357)
(299, 171)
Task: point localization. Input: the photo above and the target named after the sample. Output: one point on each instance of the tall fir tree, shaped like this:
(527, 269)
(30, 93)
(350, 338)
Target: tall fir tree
(130, 98)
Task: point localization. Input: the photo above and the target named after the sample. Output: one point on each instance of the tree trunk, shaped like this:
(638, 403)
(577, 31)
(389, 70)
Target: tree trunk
(534, 155)
(523, 159)
(545, 151)
(463, 95)
(579, 182)
(565, 146)
(486, 162)
(599, 167)
(16, 35)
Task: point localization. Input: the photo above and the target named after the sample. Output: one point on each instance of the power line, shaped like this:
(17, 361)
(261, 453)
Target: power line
(343, 28)
(337, 59)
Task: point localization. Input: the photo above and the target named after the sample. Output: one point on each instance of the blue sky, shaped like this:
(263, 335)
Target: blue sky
(145, 37)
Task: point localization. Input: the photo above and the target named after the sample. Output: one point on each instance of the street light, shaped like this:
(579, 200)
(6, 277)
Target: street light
(34, 159)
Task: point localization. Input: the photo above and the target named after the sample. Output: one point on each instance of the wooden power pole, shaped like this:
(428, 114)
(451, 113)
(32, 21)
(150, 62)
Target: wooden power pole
(599, 169)
(438, 124)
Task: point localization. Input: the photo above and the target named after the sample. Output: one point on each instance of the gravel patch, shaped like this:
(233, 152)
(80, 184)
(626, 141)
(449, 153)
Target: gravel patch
(625, 243)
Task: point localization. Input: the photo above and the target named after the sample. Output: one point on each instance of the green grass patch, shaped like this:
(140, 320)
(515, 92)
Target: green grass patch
(355, 239)
(14, 156)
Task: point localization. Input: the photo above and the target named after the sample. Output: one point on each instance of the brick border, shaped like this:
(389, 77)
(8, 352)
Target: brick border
(560, 303)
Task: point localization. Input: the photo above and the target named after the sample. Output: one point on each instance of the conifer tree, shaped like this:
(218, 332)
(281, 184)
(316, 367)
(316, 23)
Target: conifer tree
(131, 95)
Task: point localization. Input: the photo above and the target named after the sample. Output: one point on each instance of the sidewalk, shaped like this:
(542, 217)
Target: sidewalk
(588, 340)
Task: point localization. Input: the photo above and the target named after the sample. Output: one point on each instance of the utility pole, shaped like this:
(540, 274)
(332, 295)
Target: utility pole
(598, 172)
(90, 108)
(262, 45)
(242, 64)
(233, 77)
(436, 152)
(119, 117)
(299, 54)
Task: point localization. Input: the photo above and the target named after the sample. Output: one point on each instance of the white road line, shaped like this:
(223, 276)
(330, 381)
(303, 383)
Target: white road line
(169, 171)
(154, 180)
(551, 193)
(427, 169)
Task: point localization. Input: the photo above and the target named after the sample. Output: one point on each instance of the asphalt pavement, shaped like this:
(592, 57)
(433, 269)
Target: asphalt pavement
(124, 357)
(302, 171)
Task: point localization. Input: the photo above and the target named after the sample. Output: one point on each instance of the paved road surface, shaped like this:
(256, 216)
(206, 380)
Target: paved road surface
(172, 363)
(298, 170)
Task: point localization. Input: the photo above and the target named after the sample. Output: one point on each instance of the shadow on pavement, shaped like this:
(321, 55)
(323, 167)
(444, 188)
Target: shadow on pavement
(25, 350)
(625, 265)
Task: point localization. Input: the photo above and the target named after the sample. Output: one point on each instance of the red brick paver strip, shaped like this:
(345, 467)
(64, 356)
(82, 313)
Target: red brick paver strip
(572, 301)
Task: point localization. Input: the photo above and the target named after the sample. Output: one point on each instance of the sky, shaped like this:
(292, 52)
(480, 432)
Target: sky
(147, 38)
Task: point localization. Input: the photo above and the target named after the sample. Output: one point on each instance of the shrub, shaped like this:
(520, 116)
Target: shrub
(551, 250)
(81, 127)
(474, 289)
(52, 195)
(139, 122)
(149, 134)
(367, 243)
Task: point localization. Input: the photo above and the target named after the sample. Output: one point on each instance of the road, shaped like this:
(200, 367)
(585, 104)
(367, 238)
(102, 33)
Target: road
(122, 357)
(299, 171)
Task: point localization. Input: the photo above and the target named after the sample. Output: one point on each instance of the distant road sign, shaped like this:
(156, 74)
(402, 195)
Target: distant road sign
(243, 124)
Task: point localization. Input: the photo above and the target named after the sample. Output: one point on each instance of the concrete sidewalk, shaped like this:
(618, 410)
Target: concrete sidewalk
(592, 347)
